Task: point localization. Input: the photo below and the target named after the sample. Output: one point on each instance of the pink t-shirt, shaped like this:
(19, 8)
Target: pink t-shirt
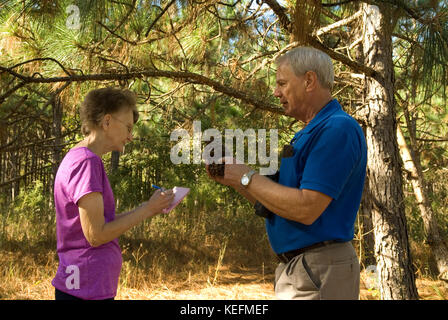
(84, 271)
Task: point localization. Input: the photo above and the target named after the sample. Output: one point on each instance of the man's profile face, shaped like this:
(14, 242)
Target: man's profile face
(290, 89)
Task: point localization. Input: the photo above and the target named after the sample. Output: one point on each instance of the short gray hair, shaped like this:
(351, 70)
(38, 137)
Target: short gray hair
(303, 59)
(99, 102)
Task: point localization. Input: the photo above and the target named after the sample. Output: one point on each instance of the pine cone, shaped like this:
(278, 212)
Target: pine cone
(216, 169)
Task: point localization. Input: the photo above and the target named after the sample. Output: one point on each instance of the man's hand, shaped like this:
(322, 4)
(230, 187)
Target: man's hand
(232, 173)
(301, 205)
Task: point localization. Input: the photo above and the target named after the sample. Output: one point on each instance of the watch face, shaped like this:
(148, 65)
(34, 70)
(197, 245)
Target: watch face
(245, 181)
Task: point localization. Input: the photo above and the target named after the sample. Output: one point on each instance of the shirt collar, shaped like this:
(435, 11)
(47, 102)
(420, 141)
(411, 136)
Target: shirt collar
(330, 108)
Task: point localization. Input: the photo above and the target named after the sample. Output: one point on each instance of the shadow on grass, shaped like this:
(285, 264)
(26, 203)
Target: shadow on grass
(184, 257)
(173, 259)
(38, 250)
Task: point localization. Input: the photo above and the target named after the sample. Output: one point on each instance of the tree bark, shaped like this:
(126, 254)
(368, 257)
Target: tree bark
(13, 164)
(114, 160)
(57, 134)
(432, 233)
(394, 263)
(366, 247)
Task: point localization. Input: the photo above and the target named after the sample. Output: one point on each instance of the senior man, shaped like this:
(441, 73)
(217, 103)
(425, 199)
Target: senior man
(312, 205)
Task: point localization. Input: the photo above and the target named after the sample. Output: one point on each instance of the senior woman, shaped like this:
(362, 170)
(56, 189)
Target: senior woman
(87, 226)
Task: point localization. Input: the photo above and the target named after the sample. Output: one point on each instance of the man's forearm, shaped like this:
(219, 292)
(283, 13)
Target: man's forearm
(241, 190)
(263, 190)
(300, 205)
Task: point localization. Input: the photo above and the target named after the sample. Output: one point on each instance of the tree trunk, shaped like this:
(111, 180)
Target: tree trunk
(394, 264)
(13, 161)
(114, 160)
(57, 134)
(433, 237)
(366, 246)
(365, 229)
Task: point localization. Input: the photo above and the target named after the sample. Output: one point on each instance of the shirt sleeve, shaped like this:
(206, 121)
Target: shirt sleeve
(86, 177)
(333, 155)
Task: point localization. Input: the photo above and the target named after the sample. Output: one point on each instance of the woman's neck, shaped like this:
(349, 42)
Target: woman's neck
(92, 143)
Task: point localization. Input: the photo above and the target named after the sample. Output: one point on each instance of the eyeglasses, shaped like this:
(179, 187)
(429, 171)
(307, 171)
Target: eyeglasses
(127, 126)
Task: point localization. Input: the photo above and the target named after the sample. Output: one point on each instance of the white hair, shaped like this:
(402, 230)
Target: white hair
(303, 59)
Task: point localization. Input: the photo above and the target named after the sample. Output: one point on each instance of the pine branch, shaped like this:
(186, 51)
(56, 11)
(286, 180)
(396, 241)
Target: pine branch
(11, 91)
(281, 14)
(313, 41)
(42, 59)
(410, 11)
(115, 34)
(355, 66)
(338, 24)
(338, 3)
(159, 16)
(189, 77)
(24, 175)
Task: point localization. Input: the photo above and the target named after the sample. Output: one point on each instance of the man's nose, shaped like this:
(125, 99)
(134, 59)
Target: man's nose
(277, 92)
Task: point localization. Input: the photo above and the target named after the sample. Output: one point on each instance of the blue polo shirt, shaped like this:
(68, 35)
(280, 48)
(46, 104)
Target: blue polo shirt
(330, 156)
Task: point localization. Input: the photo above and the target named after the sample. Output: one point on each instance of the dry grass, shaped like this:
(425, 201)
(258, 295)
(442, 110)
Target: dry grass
(26, 273)
(28, 276)
(428, 289)
(194, 259)
(231, 285)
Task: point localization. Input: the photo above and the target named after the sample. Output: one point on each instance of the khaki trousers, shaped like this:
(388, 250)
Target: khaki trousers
(327, 273)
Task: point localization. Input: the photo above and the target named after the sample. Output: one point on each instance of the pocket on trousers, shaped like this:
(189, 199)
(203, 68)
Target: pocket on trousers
(294, 281)
(310, 274)
(303, 277)
(342, 282)
(278, 273)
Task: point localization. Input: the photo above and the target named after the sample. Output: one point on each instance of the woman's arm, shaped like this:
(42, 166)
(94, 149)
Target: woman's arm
(98, 232)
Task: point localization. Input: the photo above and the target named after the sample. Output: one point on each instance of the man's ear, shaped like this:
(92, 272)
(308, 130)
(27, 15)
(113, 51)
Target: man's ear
(311, 81)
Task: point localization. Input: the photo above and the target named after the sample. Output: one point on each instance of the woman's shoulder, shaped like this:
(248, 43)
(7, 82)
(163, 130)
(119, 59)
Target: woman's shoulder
(82, 153)
(79, 155)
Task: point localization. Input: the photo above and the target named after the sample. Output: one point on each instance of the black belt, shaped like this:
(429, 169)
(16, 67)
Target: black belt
(287, 256)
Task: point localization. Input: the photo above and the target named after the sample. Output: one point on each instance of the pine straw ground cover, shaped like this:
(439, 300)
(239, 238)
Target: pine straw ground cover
(26, 273)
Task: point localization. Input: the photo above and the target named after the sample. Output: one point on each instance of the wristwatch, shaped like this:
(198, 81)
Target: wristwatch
(245, 179)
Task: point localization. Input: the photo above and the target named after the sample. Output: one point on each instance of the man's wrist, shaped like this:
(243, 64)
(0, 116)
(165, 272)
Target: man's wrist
(247, 178)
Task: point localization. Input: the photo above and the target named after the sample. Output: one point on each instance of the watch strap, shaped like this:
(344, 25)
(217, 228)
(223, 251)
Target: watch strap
(249, 175)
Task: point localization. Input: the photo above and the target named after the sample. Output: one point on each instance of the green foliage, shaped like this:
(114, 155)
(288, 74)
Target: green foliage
(30, 217)
(33, 201)
(224, 41)
(414, 218)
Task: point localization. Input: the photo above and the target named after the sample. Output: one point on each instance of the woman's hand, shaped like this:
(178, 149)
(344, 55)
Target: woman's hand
(160, 200)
